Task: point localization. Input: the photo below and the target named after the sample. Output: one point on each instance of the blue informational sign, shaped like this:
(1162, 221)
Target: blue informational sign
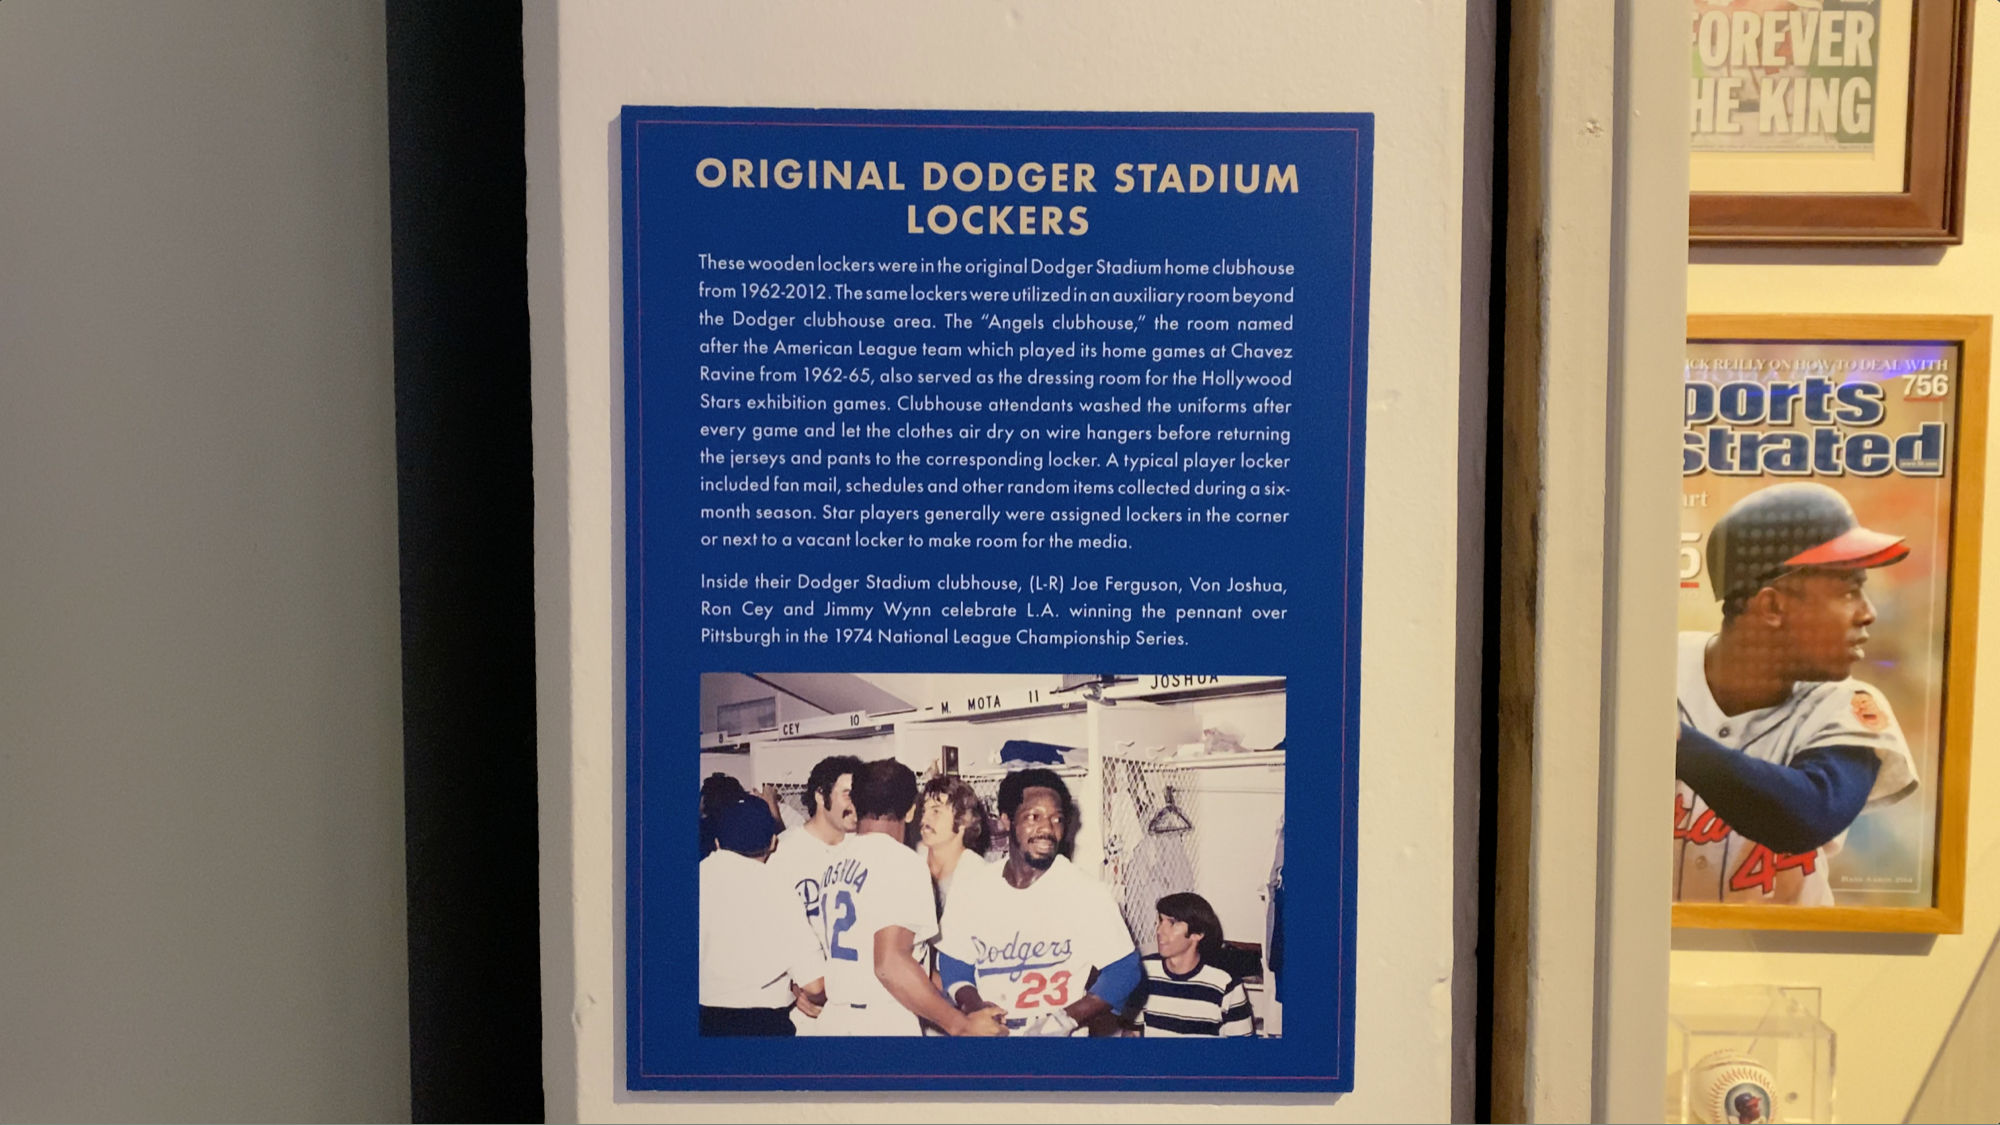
(1024, 450)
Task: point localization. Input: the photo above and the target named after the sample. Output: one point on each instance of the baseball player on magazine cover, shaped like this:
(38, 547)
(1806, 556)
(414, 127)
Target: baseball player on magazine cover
(1820, 520)
(1780, 746)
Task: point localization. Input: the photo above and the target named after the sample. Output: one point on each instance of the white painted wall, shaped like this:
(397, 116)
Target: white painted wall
(201, 800)
(1405, 62)
(1891, 999)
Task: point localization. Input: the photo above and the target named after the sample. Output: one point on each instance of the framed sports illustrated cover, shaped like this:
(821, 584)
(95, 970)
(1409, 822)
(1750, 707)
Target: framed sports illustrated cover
(1828, 121)
(1832, 481)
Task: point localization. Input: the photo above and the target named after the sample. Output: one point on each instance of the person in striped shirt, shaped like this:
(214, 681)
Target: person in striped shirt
(1185, 992)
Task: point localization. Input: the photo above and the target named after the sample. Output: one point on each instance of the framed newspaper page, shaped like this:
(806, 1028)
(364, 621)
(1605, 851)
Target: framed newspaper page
(1828, 121)
(1832, 481)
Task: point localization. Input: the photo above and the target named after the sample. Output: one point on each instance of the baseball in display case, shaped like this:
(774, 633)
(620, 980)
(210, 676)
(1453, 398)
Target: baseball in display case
(1832, 473)
(1747, 1053)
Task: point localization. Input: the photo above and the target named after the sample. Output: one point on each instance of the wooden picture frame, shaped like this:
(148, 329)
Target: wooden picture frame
(1929, 207)
(1923, 616)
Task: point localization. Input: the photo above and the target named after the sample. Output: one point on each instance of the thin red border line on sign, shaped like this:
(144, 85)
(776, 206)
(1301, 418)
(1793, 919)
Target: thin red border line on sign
(1347, 519)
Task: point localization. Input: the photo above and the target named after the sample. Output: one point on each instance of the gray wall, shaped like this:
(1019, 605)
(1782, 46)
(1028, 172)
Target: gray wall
(201, 846)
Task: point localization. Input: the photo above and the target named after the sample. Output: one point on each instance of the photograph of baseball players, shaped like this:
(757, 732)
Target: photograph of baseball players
(1028, 944)
(1824, 659)
(1051, 891)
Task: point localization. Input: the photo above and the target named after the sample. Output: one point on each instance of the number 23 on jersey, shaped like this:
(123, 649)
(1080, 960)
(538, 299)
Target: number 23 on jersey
(1043, 991)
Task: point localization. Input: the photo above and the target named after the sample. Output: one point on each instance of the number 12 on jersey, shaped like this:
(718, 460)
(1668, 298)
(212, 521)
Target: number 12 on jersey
(843, 921)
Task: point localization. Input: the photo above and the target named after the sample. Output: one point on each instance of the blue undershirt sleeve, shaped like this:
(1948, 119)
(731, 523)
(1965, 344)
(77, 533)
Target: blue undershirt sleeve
(956, 975)
(1116, 981)
(1791, 809)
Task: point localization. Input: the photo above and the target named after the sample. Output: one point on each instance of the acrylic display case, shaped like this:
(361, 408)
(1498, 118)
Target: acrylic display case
(1748, 1053)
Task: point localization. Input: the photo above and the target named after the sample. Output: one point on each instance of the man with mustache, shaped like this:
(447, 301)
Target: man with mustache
(799, 863)
(1780, 748)
(882, 919)
(1033, 936)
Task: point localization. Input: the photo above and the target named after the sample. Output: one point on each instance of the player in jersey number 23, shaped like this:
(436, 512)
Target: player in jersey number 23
(1033, 936)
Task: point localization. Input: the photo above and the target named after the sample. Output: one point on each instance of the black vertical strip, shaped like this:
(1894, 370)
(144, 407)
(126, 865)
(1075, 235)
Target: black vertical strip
(1489, 680)
(458, 205)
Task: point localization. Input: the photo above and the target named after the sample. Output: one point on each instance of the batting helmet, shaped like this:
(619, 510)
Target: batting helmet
(1786, 527)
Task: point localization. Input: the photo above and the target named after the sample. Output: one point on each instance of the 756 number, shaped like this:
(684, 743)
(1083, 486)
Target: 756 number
(1927, 384)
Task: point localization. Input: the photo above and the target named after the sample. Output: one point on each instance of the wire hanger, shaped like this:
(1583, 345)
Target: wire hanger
(1169, 820)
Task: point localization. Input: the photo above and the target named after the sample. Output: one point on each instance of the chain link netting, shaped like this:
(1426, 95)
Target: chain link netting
(1152, 813)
